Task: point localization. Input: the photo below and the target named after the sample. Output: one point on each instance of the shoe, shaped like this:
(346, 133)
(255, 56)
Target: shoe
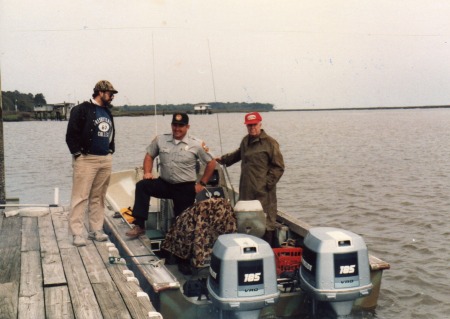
(135, 232)
(78, 241)
(98, 235)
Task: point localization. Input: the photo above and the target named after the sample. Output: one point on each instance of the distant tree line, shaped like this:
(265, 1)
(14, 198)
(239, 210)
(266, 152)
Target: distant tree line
(25, 102)
(189, 108)
(22, 102)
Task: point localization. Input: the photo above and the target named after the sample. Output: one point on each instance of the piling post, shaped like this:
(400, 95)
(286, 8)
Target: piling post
(2, 151)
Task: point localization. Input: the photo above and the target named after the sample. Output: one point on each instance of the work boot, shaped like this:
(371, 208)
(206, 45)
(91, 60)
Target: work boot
(78, 241)
(135, 232)
(98, 235)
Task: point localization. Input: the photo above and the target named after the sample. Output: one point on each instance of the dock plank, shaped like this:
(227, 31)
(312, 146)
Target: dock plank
(84, 303)
(52, 267)
(57, 303)
(31, 296)
(108, 297)
(61, 227)
(8, 299)
(30, 233)
(138, 307)
(10, 245)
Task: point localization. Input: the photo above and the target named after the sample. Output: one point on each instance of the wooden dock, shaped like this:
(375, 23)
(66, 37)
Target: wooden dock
(42, 275)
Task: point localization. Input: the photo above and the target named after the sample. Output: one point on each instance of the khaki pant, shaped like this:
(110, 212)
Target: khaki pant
(91, 176)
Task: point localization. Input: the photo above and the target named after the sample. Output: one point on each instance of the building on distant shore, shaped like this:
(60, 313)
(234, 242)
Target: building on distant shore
(202, 109)
(58, 111)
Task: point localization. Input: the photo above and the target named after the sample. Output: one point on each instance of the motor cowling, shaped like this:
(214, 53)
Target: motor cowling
(335, 267)
(242, 279)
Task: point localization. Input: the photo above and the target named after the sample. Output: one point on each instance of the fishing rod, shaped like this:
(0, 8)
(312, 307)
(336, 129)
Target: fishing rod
(154, 85)
(218, 125)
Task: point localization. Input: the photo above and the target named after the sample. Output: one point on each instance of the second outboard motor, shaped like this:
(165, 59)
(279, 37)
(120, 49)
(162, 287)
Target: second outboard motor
(242, 277)
(335, 268)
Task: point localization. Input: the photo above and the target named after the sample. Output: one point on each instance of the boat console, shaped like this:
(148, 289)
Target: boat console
(251, 218)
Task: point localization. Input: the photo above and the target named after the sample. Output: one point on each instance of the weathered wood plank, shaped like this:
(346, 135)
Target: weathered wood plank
(9, 299)
(84, 303)
(108, 297)
(82, 295)
(10, 243)
(52, 267)
(31, 297)
(138, 307)
(61, 227)
(57, 303)
(94, 264)
(30, 234)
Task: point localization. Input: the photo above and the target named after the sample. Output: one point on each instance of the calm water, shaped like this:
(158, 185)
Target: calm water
(382, 174)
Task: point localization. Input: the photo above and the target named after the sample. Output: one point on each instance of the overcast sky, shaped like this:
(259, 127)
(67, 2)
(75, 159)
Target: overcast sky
(292, 53)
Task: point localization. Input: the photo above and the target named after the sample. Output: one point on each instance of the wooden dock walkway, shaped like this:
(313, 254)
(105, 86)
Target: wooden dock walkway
(42, 275)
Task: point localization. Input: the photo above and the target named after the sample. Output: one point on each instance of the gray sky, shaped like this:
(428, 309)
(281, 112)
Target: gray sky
(292, 53)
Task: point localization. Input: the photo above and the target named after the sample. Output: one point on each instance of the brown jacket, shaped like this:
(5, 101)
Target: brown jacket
(262, 166)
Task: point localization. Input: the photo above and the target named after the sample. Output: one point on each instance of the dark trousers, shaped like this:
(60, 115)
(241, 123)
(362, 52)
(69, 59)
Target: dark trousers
(182, 194)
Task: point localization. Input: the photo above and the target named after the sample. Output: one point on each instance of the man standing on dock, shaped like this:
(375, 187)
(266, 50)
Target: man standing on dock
(262, 166)
(90, 138)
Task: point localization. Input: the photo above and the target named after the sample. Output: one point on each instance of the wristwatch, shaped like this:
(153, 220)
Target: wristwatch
(202, 183)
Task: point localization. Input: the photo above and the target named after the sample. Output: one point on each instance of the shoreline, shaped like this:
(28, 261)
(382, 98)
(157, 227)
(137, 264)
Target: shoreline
(26, 116)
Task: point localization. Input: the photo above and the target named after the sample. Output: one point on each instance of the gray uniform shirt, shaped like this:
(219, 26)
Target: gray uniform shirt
(178, 158)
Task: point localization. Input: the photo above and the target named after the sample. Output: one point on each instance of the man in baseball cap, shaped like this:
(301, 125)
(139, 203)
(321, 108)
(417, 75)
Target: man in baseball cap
(180, 118)
(262, 166)
(252, 118)
(90, 138)
(105, 86)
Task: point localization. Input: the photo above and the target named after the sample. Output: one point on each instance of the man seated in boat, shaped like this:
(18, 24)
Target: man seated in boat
(178, 153)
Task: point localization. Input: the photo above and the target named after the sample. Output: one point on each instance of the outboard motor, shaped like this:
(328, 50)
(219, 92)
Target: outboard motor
(335, 268)
(251, 218)
(242, 277)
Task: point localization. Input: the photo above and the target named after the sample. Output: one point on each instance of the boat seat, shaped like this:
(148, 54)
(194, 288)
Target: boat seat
(214, 179)
(209, 192)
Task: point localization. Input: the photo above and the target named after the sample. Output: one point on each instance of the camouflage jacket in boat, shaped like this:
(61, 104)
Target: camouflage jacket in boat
(195, 231)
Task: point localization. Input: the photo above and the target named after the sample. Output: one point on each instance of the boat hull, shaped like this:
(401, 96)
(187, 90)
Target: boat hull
(164, 283)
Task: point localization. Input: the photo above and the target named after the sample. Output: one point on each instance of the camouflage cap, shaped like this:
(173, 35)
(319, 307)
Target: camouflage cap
(104, 85)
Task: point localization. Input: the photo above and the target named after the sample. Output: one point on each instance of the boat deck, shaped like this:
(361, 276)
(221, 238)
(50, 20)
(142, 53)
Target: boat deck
(42, 275)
